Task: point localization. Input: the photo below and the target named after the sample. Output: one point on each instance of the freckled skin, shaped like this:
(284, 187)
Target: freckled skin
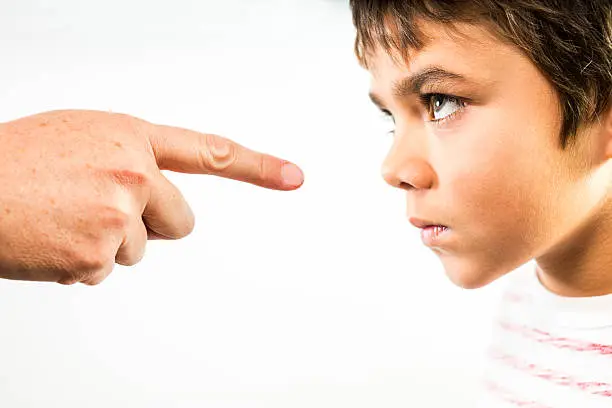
(496, 173)
(83, 190)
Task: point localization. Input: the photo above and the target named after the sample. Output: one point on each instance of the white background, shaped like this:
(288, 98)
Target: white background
(324, 297)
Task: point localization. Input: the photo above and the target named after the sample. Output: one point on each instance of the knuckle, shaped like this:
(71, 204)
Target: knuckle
(91, 281)
(92, 255)
(91, 252)
(127, 177)
(216, 153)
(68, 280)
(263, 168)
(94, 268)
(113, 219)
(75, 271)
(131, 258)
(184, 230)
(133, 248)
(91, 262)
(95, 279)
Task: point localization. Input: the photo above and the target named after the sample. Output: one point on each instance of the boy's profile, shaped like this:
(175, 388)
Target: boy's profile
(503, 144)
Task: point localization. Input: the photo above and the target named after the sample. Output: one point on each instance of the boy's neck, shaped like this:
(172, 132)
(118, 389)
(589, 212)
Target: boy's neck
(581, 265)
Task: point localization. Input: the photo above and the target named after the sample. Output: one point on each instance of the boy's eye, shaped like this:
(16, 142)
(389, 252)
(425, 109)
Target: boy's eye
(440, 106)
(388, 117)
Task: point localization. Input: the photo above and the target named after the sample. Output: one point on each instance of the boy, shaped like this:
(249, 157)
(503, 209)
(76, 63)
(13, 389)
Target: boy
(503, 144)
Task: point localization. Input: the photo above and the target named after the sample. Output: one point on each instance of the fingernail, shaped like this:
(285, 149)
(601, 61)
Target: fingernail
(292, 175)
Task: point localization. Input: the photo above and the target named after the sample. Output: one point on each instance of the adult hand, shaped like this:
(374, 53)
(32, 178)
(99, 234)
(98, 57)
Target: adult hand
(82, 190)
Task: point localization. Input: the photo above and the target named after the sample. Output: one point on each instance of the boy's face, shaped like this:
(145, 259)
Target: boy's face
(491, 169)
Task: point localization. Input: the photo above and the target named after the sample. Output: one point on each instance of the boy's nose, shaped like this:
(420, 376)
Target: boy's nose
(407, 172)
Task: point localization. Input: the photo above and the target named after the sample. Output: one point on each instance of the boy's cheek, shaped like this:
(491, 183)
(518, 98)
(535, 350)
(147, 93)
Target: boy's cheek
(494, 231)
(492, 208)
(495, 226)
(488, 182)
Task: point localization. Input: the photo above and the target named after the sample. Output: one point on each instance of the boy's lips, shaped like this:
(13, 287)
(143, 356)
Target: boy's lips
(431, 232)
(419, 223)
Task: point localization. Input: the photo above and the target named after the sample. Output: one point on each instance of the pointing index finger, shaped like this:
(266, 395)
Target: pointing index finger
(187, 151)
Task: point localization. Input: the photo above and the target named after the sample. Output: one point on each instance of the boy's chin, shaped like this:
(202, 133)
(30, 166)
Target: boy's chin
(469, 274)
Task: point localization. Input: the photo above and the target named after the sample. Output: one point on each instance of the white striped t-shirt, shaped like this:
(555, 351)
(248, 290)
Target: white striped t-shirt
(549, 351)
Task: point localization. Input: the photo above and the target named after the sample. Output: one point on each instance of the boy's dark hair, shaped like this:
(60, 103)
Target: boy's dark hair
(570, 41)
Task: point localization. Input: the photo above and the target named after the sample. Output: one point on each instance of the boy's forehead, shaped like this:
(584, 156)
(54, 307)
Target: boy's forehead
(461, 47)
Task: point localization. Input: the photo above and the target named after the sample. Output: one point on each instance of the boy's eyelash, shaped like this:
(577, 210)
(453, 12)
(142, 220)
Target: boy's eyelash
(388, 114)
(426, 102)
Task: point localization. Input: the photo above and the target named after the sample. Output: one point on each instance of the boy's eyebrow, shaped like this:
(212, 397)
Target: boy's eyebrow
(413, 84)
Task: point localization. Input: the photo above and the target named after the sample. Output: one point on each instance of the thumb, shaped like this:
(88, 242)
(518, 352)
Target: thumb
(167, 215)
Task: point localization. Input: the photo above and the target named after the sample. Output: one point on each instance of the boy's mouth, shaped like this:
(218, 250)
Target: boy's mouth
(431, 233)
(419, 223)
